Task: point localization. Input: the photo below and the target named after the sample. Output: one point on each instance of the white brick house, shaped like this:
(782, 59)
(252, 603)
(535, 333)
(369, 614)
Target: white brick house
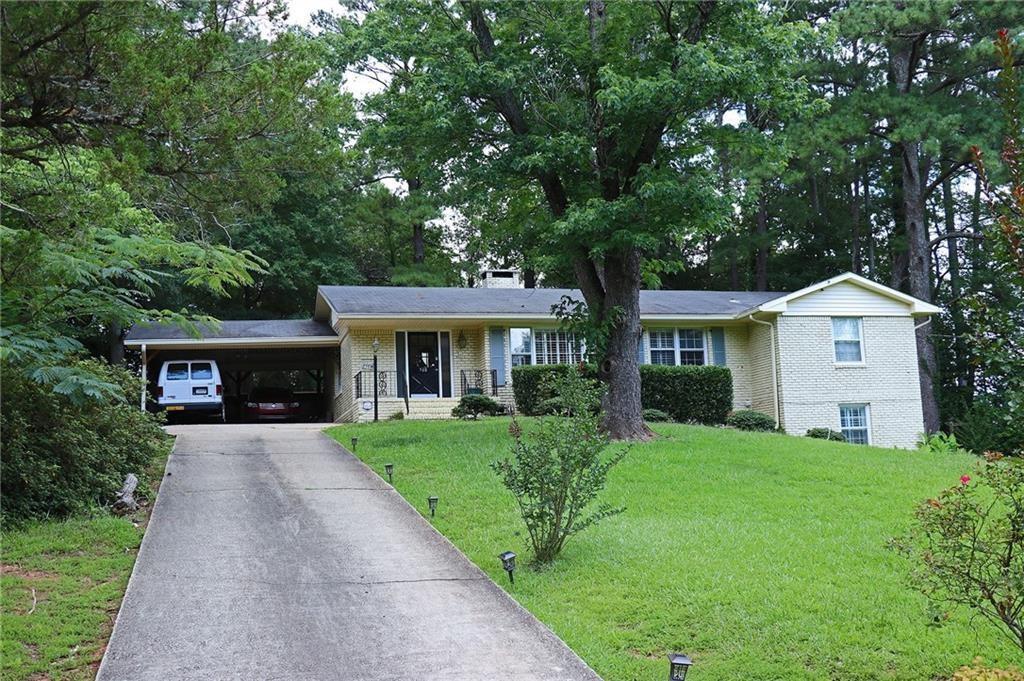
(839, 354)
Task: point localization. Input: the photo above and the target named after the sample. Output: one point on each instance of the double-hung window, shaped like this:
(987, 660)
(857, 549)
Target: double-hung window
(853, 421)
(691, 346)
(556, 347)
(521, 343)
(847, 338)
(663, 347)
(677, 346)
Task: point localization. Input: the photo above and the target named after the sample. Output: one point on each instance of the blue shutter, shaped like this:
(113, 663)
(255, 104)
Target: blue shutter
(400, 361)
(640, 347)
(718, 346)
(498, 353)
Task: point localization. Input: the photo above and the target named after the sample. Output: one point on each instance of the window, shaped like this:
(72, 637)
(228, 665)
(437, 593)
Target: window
(846, 336)
(853, 421)
(691, 346)
(677, 346)
(177, 372)
(201, 371)
(663, 347)
(556, 347)
(521, 341)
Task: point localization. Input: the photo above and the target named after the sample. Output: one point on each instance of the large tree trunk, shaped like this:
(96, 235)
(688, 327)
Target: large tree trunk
(918, 249)
(620, 289)
(855, 226)
(418, 246)
(116, 343)
(955, 304)
(761, 234)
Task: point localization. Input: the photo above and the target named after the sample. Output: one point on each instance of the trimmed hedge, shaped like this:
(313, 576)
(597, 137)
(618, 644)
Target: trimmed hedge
(826, 434)
(688, 394)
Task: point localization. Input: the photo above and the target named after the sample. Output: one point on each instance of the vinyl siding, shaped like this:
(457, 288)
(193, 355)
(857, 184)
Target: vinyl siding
(846, 299)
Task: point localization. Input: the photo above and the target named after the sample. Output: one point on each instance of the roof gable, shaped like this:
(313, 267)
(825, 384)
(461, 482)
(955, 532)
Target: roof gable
(848, 293)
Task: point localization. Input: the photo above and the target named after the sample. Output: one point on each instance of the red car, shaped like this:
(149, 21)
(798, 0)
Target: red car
(272, 404)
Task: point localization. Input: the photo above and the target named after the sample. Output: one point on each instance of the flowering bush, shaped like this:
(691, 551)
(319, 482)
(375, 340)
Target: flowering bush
(557, 469)
(967, 546)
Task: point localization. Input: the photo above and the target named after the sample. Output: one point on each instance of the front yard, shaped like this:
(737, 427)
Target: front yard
(762, 556)
(61, 584)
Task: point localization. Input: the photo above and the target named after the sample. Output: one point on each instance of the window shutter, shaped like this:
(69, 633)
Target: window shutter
(718, 346)
(400, 361)
(640, 349)
(498, 353)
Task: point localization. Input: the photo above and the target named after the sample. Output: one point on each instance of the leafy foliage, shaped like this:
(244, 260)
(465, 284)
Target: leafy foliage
(826, 434)
(967, 546)
(532, 386)
(656, 416)
(472, 406)
(80, 458)
(749, 419)
(556, 469)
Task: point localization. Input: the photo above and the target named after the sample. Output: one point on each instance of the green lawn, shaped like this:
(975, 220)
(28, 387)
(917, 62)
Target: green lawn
(60, 589)
(762, 556)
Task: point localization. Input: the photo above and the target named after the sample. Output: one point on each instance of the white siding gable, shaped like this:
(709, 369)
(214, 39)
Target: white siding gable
(846, 299)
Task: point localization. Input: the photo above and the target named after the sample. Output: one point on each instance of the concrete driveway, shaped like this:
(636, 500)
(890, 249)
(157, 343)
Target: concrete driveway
(273, 553)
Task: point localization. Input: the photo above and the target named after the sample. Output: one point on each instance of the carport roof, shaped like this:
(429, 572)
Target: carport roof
(231, 333)
(392, 301)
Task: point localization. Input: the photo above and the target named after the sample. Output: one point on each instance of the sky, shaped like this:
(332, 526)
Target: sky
(301, 11)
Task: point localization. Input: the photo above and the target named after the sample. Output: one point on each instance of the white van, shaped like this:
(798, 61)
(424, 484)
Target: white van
(192, 386)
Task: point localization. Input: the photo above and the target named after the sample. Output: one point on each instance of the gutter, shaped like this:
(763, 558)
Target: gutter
(775, 376)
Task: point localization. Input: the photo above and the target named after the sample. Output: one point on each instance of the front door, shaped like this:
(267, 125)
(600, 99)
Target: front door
(424, 367)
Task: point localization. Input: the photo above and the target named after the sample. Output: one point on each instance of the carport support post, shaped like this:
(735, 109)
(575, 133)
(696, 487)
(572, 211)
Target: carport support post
(142, 372)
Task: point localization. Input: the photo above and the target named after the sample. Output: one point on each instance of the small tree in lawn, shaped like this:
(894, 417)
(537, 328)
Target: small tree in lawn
(556, 470)
(968, 545)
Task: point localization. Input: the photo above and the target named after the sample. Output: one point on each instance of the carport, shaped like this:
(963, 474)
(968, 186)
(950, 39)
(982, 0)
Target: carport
(242, 349)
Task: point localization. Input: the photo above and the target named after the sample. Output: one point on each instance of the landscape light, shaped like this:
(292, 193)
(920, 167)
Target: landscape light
(355, 441)
(508, 561)
(678, 665)
(432, 502)
(389, 468)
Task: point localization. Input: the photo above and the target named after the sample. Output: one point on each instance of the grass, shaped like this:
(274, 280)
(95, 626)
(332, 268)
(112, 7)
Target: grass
(762, 556)
(61, 586)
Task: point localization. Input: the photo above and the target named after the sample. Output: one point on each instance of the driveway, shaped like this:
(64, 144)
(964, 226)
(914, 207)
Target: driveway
(273, 553)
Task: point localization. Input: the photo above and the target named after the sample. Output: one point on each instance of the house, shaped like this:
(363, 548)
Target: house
(840, 353)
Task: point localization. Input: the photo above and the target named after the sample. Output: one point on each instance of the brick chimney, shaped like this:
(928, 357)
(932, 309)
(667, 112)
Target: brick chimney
(500, 279)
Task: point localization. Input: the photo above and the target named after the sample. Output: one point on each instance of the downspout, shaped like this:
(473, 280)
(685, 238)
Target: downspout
(775, 376)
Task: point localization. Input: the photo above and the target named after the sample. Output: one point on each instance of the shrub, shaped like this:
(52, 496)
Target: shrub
(749, 419)
(694, 394)
(986, 426)
(689, 394)
(557, 470)
(827, 434)
(941, 443)
(656, 415)
(472, 406)
(62, 456)
(531, 386)
(967, 546)
(397, 416)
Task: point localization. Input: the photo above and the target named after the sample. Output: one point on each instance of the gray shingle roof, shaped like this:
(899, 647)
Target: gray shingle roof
(385, 300)
(253, 328)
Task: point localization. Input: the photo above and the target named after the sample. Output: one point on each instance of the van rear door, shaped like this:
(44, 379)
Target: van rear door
(203, 386)
(177, 386)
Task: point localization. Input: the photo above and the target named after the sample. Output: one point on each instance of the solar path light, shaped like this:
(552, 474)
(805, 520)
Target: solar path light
(355, 441)
(432, 503)
(508, 561)
(678, 665)
(389, 468)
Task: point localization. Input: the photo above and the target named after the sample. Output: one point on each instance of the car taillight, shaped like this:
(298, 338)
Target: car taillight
(159, 391)
(220, 389)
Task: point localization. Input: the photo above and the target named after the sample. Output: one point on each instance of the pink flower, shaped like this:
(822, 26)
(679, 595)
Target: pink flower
(964, 479)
